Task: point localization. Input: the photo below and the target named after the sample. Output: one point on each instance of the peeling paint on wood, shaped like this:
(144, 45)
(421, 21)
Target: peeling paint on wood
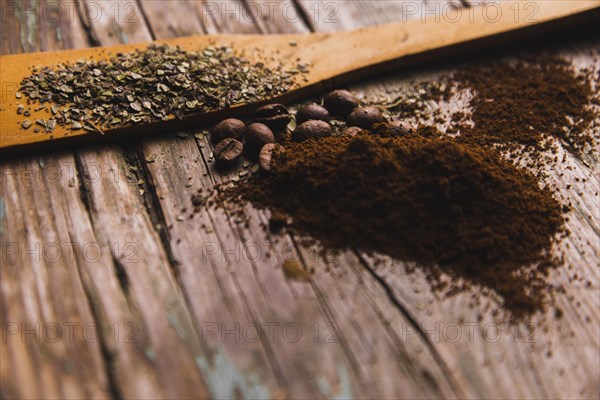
(29, 27)
(341, 390)
(2, 215)
(226, 381)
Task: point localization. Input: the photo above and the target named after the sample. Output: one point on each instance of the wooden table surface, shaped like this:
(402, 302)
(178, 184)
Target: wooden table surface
(106, 291)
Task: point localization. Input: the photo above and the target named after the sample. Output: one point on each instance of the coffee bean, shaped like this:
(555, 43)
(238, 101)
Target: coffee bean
(228, 128)
(312, 111)
(340, 102)
(266, 155)
(353, 131)
(228, 150)
(392, 128)
(365, 117)
(311, 129)
(275, 116)
(257, 135)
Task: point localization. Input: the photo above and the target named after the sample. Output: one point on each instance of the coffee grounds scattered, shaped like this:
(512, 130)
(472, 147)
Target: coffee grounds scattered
(524, 107)
(525, 102)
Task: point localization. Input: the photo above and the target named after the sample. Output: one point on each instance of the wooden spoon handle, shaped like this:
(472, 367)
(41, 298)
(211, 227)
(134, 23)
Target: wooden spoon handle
(336, 58)
(370, 50)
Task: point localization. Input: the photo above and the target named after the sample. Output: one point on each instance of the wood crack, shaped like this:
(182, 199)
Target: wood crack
(152, 204)
(275, 366)
(413, 321)
(145, 19)
(90, 35)
(304, 16)
(428, 380)
(107, 356)
(268, 349)
(121, 274)
(84, 193)
(157, 215)
(329, 314)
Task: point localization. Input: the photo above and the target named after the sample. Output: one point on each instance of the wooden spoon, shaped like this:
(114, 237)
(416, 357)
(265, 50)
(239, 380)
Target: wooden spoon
(335, 58)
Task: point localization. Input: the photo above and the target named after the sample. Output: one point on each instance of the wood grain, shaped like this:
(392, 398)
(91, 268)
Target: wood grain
(196, 297)
(530, 352)
(334, 59)
(263, 290)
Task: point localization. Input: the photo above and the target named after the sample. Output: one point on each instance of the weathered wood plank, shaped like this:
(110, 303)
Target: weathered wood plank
(244, 369)
(119, 211)
(167, 19)
(132, 363)
(42, 296)
(39, 25)
(125, 341)
(280, 16)
(329, 16)
(45, 312)
(536, 353)
(236, 238)
(198, 294)
(234, 280)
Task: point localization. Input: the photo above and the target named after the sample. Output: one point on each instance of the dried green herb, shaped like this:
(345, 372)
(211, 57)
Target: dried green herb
(153, 84)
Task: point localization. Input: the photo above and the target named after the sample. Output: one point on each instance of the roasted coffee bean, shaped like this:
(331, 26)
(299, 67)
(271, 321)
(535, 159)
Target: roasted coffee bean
(228, 150)
(275, 116)
(353, 131)
(266, 155)
(365, 117)
(340, 102)
(230, 128)
(311, 129)
(392, 128)
(257, 135)
(312, 111)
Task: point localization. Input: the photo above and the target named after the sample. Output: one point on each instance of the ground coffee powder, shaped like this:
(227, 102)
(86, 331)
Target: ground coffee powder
(418, 198)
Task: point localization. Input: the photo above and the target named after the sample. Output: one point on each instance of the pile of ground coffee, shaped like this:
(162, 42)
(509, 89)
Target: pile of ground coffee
(418, 198)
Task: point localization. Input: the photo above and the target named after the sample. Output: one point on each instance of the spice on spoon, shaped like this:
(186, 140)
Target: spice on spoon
(154, 84)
